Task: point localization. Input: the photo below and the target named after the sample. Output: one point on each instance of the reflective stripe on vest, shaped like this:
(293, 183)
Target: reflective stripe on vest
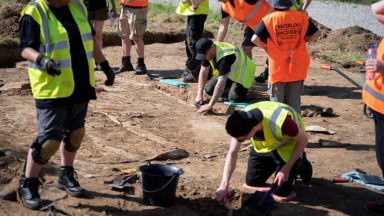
(242, 70)
(374, 93)
(55, 45)
(183, 8)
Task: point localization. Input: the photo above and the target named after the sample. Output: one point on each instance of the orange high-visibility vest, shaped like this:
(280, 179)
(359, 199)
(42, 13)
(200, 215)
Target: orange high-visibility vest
(250, 15)
(373, 89)
(134, 3)
(287, 52)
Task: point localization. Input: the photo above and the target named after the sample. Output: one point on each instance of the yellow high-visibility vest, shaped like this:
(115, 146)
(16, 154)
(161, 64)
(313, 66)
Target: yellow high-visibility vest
(242, 70)
(55, 45)
(274, 115)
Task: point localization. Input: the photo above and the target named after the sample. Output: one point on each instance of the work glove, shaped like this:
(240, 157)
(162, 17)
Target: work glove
(109, 73)
(48, 65)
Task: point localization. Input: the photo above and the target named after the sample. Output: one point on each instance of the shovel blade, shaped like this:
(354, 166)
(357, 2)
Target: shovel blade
(259, 203)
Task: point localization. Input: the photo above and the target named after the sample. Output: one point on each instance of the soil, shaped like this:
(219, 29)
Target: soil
(137, 119)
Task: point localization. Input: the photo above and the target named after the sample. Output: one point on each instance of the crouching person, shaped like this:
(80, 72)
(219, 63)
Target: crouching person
(56, 39)
(232, 71)
(277, 134)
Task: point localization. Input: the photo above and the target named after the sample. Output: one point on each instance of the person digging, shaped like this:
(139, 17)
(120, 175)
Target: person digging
(232, 70)
(278, 137)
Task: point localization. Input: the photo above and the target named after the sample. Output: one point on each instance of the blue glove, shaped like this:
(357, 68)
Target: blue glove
(48, 65)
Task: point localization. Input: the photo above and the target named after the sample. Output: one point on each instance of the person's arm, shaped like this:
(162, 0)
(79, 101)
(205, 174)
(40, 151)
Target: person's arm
(30, 54)
(195, 4)
(256, 40)
(312, 37)
(301, 142)
(222, 32)
(229, 167)
(378, 11)
(203, 76)
(217, 92)
(312, 32)
(261, 36)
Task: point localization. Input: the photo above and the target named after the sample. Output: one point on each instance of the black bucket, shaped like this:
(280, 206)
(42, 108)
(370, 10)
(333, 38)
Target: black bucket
(159, 183)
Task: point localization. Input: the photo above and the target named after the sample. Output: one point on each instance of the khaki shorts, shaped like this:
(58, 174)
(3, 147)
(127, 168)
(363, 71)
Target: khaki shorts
(133, 22)
(100, 15)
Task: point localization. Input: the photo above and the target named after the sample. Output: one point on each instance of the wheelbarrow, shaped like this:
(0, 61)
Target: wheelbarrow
(366, 110)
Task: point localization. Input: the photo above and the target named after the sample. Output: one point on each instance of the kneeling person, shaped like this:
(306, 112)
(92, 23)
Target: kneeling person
(278, 137)
(231, 68)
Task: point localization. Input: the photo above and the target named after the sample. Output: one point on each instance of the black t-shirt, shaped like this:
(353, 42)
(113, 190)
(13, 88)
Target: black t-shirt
(224, 65)
(30, 37)
(263, 33)
(232, 2)
(93, 5)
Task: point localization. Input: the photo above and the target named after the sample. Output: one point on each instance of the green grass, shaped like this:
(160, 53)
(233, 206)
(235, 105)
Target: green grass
(343, 56)
(166, 13)
(363, 2)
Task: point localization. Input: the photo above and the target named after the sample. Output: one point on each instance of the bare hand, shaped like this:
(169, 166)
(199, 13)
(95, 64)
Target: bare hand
(221, 195)
(371, 65)
(193, 7)
(281, 177)
(205, 108)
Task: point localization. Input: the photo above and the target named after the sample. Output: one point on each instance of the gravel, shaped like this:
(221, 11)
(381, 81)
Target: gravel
(334, 15)
(338, 15)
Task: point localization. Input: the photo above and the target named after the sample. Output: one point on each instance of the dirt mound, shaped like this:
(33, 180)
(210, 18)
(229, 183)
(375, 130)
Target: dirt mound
(343, 46)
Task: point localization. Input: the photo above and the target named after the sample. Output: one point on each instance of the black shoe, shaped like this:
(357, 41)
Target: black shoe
(260, 79)
(305, 169)
(184, 74)
(190, 76)
(68, 182)
(109, 73)
(124, 68)
(141, 69)
(189, 79)
(29, 193)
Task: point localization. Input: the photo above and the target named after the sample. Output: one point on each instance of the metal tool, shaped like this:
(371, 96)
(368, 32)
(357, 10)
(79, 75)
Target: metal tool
(366, 110)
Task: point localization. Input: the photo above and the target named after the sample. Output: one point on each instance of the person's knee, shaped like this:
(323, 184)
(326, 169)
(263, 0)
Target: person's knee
(237, 96)
(72, 140)
(42, 152)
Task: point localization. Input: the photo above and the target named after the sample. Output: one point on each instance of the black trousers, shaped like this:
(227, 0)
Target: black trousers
(379, 130)
(262, 165)
(195, 28)
(235, 91)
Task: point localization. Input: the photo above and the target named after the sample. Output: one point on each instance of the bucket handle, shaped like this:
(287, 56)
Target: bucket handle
(162, 187)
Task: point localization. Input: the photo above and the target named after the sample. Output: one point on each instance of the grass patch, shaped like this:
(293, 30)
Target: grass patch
(363, 2)
(343, 56)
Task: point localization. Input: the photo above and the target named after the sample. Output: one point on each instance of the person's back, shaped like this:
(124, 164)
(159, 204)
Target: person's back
(287, 28)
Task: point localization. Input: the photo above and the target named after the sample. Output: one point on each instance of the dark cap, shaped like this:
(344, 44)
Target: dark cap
(281, 4)
(202, 46)
(240, 123)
